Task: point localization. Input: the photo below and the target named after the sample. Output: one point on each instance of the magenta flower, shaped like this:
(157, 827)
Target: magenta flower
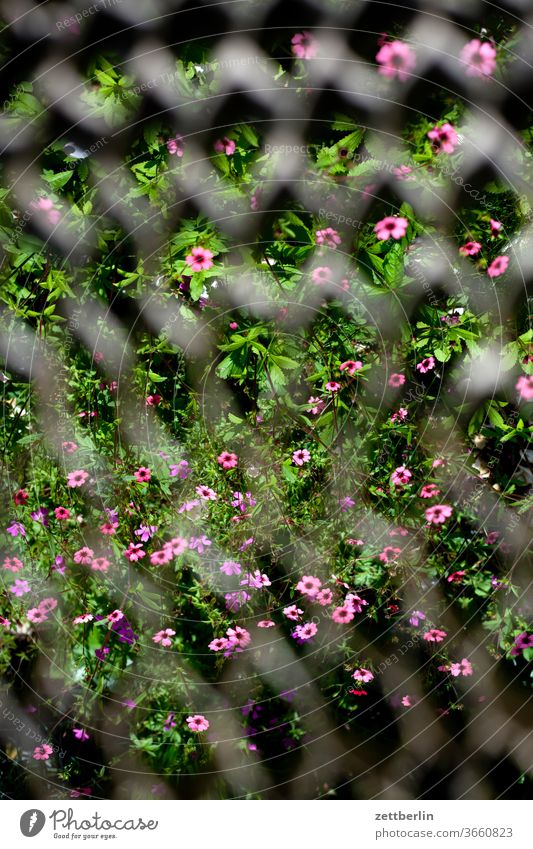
(197, 722)
(206, 493)
(391, 226)
(142, 475)
(13, 564)
(292, 612)
(77, 478)
(498, 266)
(181, 470)
(176, 546)
(396, 59)
(199, 544)
(200, 259)
(80, 734)
(343, 614)
(332, 386)
(83, 555)
(396, 380)
(61, 513)
(444, 138)
(416, 617)
(438, 514)
(100, 564)
(495, 227)
(479, 57)
(304, 45)
(462, 667)
(524, 385)
(239, 636)
(317, 405)
(134, 552)
(523, 641)
(389, 554)
(429, 491)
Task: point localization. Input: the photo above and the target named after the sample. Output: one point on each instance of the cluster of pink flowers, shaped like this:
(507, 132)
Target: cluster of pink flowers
(39, 614)
(328, 237)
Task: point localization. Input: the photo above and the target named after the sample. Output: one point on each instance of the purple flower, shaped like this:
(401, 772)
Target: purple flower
(229, 567)
(346, 503)
(246, 543)
(112, 515)
(15, 529)
(169, 722)
(181, 470)
(416, 617)
(523, 641)
(129, 703)
(199, 543)
(59, 565)
(146, 532)
(40, 515)
(101, 652)
(235, 600)
(80, 734)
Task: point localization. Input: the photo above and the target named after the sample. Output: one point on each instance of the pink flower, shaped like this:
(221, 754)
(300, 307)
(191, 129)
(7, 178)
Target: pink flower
(46, 205)
(206, 493)
(134, 552)
(317, 405)
(301, 456)
(197, 722)
(77, 478)
(351, 366)
(444, 138)
(389, 553)
(176, 546)
(13, 564)
(391, 226)
(42, 753)
(175, 146)
(495, 227)
(498, 266)
(83, 555)
(225, 145)
(36, 615)
(328, 237)
(438, 513)
(200, 259)
(343, 614)
(292, 612)
(304, 45)
(363, 675)
(463, 667)
(153, 400)
(163, 637)
(480, 58)
(218, 644)
(160, 557)
(61, 513)
(324, 597)
(266, 623)
(115, 616)
(396, 59)
(100, 564)
(401, 476)
(426, 365)
(142, 475)
(332, 386)
(354, 602)
(309, 585)
(69, 447)
(227, 460)
(83, 618)
(396, 380)
(435, 635)
(456, 577)
(322, 274)
(470, 249)
(305, 631)
(403, 172)
(429, 491)
(109, 528)
(229, 567)
(239, 636)
(20, 497)
(524, 386)
(399, 415)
